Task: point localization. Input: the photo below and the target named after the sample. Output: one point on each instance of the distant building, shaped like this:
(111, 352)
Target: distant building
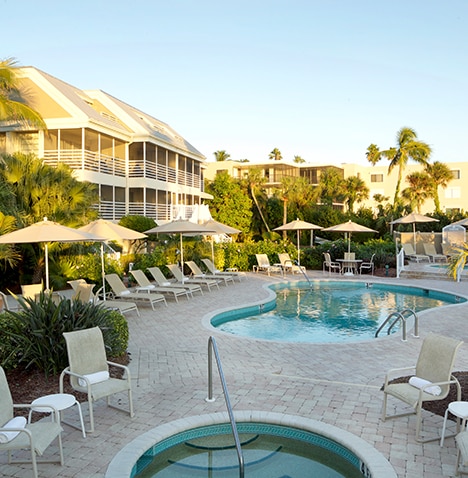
(140, 164)
(453, 198)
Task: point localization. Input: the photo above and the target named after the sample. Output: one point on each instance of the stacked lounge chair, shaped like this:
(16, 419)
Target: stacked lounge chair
(181, 279)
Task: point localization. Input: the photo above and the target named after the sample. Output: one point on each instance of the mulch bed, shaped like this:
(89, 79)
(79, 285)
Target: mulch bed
(28, 384)
(438, 407)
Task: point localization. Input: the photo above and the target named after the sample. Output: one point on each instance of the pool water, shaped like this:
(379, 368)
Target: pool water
(269, 451)
(329, 311)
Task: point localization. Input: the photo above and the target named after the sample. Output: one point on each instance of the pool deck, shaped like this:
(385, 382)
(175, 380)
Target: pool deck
(337, 384)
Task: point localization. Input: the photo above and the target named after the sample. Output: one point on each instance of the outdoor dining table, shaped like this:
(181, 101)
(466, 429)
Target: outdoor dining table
(349, 266)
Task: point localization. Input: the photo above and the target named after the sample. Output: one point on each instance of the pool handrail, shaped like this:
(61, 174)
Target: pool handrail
(213, 349)
(400, 316)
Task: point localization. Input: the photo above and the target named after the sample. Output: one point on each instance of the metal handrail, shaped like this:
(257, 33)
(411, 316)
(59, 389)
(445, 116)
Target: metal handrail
(303, 272)
(213, 349)
(400, 317)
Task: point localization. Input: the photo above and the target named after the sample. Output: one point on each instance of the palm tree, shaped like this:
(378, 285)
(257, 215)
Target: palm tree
(299, 159)
(276, 155)
(419, 189)
(408, 147)
(440, 175)
(356, 191)
(13, 106)
(254, 180)
(331, 187)
(221, 155)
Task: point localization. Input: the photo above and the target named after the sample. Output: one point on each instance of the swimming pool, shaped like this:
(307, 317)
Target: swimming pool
(328, 311)
(274, 446)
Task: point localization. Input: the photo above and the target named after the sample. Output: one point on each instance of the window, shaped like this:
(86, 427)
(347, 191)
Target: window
(452, 193)
(376, 178)
(455, 173)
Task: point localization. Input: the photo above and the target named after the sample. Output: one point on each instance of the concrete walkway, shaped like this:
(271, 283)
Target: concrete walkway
(338, 384)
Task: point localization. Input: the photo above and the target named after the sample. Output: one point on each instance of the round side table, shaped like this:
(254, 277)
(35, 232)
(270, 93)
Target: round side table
(458, 409)
(61, 401)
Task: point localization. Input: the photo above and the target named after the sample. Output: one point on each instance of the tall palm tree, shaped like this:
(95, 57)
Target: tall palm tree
(221, 155)
(408, 147)
(356, 191)
(13, 106)
(254, 180)
(440, 175)
(331, 187)
(276, 155)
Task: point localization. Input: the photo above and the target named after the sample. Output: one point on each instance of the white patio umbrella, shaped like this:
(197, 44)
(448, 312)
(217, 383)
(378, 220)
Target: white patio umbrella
(348, 227)
(110, 232)
(181, 227)
(47, 231)
(220, 228)
(414, 218)
(299, 226)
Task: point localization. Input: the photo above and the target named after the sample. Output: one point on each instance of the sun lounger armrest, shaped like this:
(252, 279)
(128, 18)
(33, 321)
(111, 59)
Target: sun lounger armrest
(122, 367)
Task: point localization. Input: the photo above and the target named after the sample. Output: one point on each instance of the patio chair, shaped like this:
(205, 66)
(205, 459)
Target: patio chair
(88, 370)
(431, 381)
(16, 434)
(181, 279)
(199, 274)
(121, 292)
(263, 265)
(330, 265)
(144, 285)
(163, 281)
(410, 253)
(430, 250)
(123, 306)
(367, 266)
(288, 265)
(212, 268)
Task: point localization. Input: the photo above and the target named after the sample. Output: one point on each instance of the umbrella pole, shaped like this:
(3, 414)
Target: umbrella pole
(349, 242)
(181, 254)
(212, 250)
(46, 253)
(103, 272)
(299, 247)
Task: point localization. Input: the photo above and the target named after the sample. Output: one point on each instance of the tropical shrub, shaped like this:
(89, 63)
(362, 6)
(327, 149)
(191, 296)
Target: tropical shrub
(33, 336)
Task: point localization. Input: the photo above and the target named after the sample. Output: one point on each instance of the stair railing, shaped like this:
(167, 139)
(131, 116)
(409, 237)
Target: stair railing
(213, 350)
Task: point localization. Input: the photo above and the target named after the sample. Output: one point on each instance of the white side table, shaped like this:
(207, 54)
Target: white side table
(458, 409)
(61, 401)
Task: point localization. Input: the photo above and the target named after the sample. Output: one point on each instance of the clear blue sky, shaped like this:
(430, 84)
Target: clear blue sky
(322, 79)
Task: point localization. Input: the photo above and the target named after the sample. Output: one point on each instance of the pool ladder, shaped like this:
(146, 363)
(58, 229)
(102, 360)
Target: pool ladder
(400, 316)
(213, 350)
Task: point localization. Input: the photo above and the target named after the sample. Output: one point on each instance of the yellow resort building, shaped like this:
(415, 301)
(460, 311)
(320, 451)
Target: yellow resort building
(453, 198)
(141, 165)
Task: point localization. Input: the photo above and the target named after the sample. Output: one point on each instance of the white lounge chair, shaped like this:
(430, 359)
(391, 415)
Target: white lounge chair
(89, 370)
(212, 268)
(120, 291)
(199, 274)
(144, 285)
(288, 265)
(181, 279)
(163, 281)
(18, 435)
(263, 265)
(410, 253)
(123, 306)
(430, 250)
(434, 366)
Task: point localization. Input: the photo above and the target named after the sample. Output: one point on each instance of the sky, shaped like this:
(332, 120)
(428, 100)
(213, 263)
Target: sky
(318, 79)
